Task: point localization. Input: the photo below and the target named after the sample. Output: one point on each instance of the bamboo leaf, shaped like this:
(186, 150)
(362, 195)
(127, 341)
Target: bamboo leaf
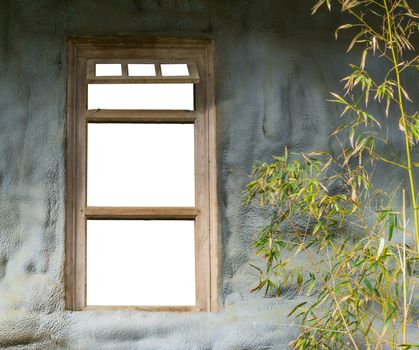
(296, 308)
(380, 247)
(317, 6)
(364, 58)
(344, 26)
(367, 282)
(406, 96)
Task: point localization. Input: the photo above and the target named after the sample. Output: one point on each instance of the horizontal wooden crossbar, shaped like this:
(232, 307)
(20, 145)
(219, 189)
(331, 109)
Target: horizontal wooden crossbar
(140, 116)
(141, 80)
(142, 213)
(142, 308)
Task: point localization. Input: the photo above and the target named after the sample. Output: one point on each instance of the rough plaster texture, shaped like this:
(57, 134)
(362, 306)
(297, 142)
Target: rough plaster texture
(275, 65)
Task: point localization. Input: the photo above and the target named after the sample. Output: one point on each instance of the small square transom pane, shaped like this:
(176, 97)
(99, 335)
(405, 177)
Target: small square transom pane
(141, 165)
(143, 263)
(168, 70)
(108, 70)
(141, 70)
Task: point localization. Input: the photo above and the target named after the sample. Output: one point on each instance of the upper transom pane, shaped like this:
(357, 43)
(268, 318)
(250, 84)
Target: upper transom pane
(141, 70)
(168, 70)
(141, 96)
(108, 70)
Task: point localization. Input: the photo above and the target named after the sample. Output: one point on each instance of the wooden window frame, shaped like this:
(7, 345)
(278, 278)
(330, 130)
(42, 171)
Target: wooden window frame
(199, 52)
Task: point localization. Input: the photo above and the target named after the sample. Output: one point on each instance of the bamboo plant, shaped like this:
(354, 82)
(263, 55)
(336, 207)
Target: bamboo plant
(391, 41)
(360, 287)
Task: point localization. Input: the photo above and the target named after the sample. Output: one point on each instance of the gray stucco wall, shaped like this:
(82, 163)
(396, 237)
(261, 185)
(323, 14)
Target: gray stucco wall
(275, 65)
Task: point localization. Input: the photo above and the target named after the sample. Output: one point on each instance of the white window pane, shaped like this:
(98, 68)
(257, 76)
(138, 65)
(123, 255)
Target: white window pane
(140, 165)
(168, 70)
(141, 96)
(103, 70)
(141, 70)
(141, 263)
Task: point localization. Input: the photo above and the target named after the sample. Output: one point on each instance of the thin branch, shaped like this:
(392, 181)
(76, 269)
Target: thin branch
(390, 162)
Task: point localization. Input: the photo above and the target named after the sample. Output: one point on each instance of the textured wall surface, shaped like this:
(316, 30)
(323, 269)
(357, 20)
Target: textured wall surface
(275, 65)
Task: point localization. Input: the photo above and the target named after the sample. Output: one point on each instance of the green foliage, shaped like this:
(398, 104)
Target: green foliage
(357, 281)
(301, 186)
(361, 280)
(361, 294)
(384, 29)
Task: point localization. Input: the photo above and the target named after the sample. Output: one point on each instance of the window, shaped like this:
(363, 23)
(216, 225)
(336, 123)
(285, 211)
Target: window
(141, 210)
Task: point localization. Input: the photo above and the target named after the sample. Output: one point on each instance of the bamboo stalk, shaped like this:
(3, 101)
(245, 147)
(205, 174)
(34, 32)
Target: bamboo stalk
(404, 125)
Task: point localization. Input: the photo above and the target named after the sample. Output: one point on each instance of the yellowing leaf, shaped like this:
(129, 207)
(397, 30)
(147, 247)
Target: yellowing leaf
(380, 247)
(345, 26)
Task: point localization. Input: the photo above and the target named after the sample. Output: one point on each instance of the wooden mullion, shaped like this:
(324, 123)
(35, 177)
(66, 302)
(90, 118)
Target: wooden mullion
(140, 116)
(91, 70)
(193, 71)
(80, 185)
(142, 213)
(70, 198)
(214, 250)
(124, 67)
(158, 69)
(201, 198)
